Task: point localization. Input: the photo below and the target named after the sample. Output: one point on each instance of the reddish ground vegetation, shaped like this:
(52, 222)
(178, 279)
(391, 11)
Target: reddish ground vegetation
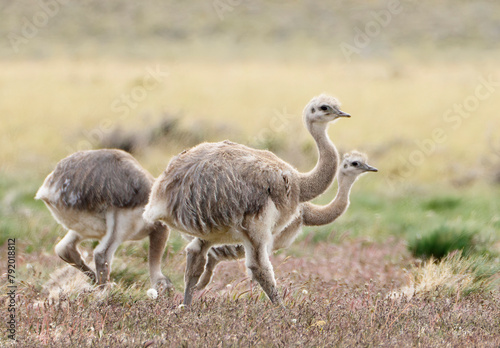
(334, 295)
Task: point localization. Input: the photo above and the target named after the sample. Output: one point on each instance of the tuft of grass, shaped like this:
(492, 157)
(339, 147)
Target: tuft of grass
(456, 274)
(442, 240)
(442, 203)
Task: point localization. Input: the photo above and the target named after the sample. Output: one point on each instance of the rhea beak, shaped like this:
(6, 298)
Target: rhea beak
(343, 114)
(369, 168)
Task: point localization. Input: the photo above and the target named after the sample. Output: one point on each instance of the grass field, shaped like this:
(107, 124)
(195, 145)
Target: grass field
(415, 260)
(335, 279)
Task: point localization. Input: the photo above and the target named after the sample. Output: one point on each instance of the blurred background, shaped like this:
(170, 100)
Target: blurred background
(79, 75)
(420, 78)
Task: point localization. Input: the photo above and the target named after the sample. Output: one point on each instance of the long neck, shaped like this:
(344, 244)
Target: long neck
(315, 215)
(315, 182)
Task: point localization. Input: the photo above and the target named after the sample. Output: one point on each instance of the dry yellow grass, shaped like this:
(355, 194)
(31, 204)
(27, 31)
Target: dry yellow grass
(395, 104)
(454, 275)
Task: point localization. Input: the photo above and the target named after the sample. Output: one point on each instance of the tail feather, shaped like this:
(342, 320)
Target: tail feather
(42, 193)
(153, 213)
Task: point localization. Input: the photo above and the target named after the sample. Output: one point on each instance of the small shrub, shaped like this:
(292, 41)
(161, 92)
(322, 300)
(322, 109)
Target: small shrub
(120, 139)
(442, 240)
(442, 203)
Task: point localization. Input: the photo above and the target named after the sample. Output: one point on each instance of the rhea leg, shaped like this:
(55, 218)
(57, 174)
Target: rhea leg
(103, 257)
(103, 253)
(67, 249)
(257, 242)
(157, 241)
(261, 269)
(196, 258)
(236, 252)
(216, 255)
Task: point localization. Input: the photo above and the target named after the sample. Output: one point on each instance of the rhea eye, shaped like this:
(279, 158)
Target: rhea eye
(313, 110)
(355, 164)
(323, 107)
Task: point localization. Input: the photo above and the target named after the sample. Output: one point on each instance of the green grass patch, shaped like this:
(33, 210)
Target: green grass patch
(442, 240)
(442, 203)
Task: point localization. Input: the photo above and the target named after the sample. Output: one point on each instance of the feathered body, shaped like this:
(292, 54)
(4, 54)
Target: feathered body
(96, 180)
(215, 187)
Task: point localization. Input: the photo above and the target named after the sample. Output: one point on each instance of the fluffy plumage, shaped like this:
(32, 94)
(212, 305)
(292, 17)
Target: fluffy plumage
(214, 186)
(92, 180)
